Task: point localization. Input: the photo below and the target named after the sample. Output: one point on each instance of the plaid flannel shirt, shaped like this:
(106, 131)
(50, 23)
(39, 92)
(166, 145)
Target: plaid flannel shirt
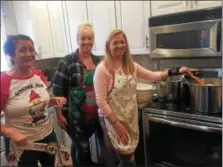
(68, 73)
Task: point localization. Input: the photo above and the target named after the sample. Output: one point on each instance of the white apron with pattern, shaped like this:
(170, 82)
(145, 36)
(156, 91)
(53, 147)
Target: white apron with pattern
(122, 100)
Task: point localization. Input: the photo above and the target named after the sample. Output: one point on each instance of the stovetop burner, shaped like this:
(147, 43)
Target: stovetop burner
(163, 104)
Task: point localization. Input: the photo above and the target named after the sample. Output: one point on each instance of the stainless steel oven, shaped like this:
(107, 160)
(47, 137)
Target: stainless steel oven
(176, 138)
(186, 34)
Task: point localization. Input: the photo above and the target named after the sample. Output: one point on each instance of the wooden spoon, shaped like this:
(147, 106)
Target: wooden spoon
(196, 79)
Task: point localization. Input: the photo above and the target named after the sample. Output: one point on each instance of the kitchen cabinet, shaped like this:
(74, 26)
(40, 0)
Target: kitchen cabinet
(101, 15)
(59, 34)
(42, 29)
(4, 63)
(168, 7)
(53, 25)
(23, 18)
(3, 160)
(205, 4)
(44, 22)
(49, 28)
(132, 18)
(75, 13)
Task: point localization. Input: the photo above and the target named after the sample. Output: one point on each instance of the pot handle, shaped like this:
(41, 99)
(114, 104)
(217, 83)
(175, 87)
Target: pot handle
(185, 80)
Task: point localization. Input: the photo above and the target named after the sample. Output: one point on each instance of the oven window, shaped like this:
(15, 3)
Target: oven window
(184, 40)
(183, 147)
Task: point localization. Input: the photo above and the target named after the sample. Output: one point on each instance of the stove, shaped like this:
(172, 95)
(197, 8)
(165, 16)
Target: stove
(179, 110)
(181, 133)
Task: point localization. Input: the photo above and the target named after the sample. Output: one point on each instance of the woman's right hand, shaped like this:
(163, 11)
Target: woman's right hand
(61, 121)
(121, 132)
(18, 138)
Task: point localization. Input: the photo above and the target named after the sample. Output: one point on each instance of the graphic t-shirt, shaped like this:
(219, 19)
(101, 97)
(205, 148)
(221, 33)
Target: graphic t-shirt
(24, 102)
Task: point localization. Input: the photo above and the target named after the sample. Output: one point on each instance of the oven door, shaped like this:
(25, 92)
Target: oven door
(177, 142)
(193, 39)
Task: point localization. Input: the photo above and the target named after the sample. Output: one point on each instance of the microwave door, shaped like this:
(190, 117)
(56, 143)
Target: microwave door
(194, 39)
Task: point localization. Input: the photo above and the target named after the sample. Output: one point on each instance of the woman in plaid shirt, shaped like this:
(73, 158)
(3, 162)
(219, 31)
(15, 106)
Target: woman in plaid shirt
(73, 79)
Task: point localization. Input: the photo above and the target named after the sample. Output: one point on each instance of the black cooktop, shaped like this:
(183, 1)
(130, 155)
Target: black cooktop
(179, 108)
(175, 112)
(170, 110)
(163, 104)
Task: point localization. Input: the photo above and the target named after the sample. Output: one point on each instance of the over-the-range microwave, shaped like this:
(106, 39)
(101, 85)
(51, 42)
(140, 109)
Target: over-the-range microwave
(186, 34)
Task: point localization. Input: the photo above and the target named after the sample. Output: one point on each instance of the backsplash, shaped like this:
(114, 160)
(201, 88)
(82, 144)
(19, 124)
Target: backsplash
(47, 63)
(140, 59)
(146, 62)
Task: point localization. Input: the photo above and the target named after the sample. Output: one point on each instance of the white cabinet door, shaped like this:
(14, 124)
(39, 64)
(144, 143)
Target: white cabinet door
(42, 29)
(206, 4)
(132, 18)
(76, 12)
(167, 7)
(59, 33)
(23, 18)
(101, 15)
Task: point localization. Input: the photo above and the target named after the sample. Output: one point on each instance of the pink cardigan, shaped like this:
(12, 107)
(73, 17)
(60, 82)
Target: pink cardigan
(103, 81)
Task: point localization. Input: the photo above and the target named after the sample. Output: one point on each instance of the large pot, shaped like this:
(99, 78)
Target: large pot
(171, 88)
(207, 98)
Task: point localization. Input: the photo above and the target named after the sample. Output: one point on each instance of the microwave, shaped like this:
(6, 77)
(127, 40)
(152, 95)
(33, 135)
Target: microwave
(190, 34)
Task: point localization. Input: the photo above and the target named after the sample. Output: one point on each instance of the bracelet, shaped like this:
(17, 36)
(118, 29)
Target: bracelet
(114, 122)
(174, 71)
(169, 73)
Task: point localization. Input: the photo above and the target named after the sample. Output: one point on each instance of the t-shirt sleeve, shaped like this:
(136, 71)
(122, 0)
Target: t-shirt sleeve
(42, 76)
(5, 84)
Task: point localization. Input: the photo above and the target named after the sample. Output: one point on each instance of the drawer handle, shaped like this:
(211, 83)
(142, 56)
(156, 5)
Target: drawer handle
(185, 125)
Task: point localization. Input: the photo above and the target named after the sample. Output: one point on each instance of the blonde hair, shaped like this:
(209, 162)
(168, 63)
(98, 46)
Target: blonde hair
(84, 25)
(128, 64)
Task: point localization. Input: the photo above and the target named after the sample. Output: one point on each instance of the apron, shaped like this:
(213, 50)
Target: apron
(83, 107)
(122, 100)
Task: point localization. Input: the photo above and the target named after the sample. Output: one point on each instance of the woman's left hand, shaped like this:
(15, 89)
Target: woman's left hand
(185, 70)
(59, 101)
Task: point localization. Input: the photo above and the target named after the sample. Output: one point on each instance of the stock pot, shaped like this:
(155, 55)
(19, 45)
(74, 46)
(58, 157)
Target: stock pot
(171, 88)
(206, 98)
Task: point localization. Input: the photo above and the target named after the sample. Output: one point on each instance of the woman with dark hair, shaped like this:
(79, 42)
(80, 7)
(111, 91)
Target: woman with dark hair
(24, 101)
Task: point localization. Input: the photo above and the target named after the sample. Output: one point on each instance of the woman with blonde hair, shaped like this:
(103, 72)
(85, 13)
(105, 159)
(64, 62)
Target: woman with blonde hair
(73, 79)
(115, 88)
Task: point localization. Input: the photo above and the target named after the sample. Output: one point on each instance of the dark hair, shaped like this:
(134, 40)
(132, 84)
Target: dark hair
(10, 44)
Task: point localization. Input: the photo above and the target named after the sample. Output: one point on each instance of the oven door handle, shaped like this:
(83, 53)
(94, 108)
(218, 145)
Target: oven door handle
(185, 125)
(218, 40)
